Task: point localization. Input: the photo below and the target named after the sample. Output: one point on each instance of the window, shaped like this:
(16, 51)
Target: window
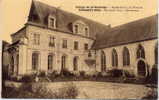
(63, 62)
(50, 61)
(75, 63)
(126, 57)
(103, 61)
(89, 54)
(52, 41)
(75, 45)
(76, 28)
(35, 61)
(36, 39)
(156, 54)
(64, 44)
(52, 22)
(86, 46)
(86, 31)
(114, 58)
(140, 52)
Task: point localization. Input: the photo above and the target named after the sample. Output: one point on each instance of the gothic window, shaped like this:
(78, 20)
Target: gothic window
(36, 39)
(75, 63)
(35, 60)
(114, 58)
(140, 52)
(126, 57)
(103, 61)
(50, 61)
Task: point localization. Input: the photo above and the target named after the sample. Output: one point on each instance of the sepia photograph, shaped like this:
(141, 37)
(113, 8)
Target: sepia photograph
(79, 49)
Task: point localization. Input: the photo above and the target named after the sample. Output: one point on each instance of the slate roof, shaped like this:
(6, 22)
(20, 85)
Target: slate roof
(139, 30)
(64, 19)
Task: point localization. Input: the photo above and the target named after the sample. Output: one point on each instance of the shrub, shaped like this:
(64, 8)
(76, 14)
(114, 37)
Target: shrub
(151, 95)
(128, 73)
(30, 90)
(41, 74)
(82, 73)
(116, 72)
(28, 78)
(66, 72)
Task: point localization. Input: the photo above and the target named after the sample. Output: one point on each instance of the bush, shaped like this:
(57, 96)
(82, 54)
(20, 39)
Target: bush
(153, 77)
(28, 78)
(82, 73)
(151, 95)
(128, 74)
(29, 90)
(66, 73)
(116, 72)
(42, 74)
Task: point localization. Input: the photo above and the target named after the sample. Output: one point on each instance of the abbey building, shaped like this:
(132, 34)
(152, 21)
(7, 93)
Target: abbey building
(53, 39)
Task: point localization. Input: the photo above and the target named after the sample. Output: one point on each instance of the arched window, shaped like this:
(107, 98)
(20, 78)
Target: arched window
(156, 54)
(50, 61)
(35, 60)
(63, 62)
(75, 63)
(126, 57)
(103, 61)
(140, 52)
(114, 58)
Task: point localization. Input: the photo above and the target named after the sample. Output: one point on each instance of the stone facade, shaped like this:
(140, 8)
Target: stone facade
(35, 38)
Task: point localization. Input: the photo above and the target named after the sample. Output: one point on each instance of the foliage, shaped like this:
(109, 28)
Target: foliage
(116, 72)
(32, 90)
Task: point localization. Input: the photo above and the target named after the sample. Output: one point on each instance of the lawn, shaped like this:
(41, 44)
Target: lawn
(100, 90)
(107, 90)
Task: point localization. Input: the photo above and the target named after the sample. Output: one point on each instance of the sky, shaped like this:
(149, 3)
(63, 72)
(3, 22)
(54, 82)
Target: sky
(14, 13)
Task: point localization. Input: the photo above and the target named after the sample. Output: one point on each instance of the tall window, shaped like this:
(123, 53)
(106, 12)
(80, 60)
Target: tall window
(36, 39)
(52, 41)
(63, 62)
(86, 31)
(114, 58)
(50, 61)
(52, 22)
(86, 46)
(103, 61)
(75, 45)
(64, 44)
(76, 28)
(75, 63)
(35, 60)
(126, 57)
(156, 54)
(140, 52)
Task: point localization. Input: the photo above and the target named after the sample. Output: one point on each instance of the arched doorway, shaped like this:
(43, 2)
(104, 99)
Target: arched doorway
(141, 68)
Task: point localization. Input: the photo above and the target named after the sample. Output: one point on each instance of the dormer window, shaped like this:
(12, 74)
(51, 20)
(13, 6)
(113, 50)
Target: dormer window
(51, 22)
(76, 28)
(86, 31)
(81, 28)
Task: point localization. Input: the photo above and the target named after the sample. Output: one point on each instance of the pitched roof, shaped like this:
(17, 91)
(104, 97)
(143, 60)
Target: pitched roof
(142, 29)
(64, 19)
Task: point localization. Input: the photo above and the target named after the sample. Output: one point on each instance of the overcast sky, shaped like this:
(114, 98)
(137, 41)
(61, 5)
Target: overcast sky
(14, 13)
